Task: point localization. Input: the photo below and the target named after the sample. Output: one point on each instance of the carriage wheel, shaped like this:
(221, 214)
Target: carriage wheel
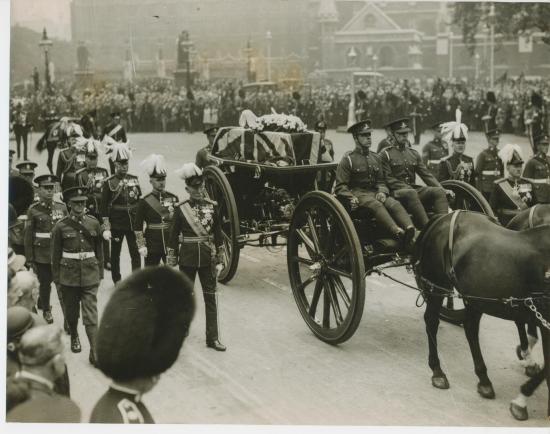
(326, 268)
(467, 198)
(219, 189)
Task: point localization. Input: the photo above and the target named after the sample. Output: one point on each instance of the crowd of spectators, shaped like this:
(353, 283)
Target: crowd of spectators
(156, 105)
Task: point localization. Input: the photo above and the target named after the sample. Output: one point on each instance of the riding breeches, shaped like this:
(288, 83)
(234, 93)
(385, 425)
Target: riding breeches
(390, 214)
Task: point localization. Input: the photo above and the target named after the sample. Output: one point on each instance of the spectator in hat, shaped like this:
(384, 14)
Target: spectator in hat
(41, 218)
(201, 159)
(537, 169)
(77, 266)
(42, 363)
(434, 151)
(142, 330)
(26, 170)
(155, 211)
(488, 165)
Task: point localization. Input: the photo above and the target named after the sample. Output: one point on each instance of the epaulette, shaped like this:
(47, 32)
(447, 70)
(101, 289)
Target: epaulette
(129, 411)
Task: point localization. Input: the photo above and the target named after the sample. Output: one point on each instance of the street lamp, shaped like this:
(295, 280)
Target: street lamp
(352, 56)
(268, 38)
(248, 52)
(492, 27)
(45, 44)
(476, 66)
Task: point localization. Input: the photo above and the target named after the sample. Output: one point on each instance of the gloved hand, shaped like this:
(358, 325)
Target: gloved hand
(219, 268)
(143, 251)
(106, 235)
(354, 203)
(450, 193)
(381, 197)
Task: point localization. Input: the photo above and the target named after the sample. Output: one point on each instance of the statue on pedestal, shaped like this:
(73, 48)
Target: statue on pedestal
(82, 57)
(183, 50)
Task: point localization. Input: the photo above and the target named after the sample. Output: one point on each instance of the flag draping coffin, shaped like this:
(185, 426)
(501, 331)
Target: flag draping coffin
(244, 144)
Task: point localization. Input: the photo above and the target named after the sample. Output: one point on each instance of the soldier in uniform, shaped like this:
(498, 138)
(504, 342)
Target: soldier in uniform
(201, 159)
(26, 170)
(488, 165)
(93, 177)
(326, 148)
(491, 109)
(537, 169)
(77, 258)
(387, 141)
(21, 128)
(458, 165)
(115, 131)
(89, 125)
(201, 248)
(41, 218)
(156, 211)
(119, 199)
(434, 151)
(512, 194)
(66, 161)
(360, 180)
(140, 336)
(13, 172)
(401, 165)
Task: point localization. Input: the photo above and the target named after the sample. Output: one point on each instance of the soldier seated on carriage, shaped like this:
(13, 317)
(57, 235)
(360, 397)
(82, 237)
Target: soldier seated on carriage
(537, 169)
(401, 165)
(513, 193)
(458, 165)
(360, 181)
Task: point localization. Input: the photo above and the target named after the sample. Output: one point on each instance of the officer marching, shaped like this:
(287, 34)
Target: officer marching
(156, 211)
(66, 161)
(458, 166)
(488, 165)
(401, 165)
(512, 194)
(434, 151)
(200, 253)
(360, 180)
(41, 218)
(119, 199)
(92, 177)
(114, 132)
(201, 159)
(537, 169)
(77, 258)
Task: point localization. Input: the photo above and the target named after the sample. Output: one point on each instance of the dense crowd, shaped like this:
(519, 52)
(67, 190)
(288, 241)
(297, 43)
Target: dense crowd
(156, 105)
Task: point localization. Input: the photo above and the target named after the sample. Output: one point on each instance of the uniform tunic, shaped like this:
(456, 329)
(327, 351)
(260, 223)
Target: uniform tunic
(67, 165)
(93, 179)
(510, 197)
(432, 154)
(120, 405)
(488, 168)
(537, 170)
(459, 167)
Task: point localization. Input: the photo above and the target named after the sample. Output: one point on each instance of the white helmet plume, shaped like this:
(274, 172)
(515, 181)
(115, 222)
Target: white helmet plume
(154, 164)
(456, 129)
(188, 170)
(119, 151)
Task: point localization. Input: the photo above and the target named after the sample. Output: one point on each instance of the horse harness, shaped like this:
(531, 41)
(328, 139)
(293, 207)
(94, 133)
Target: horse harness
(532, 216)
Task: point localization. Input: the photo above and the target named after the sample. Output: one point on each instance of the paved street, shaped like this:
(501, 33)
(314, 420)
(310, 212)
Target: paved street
(276, 372)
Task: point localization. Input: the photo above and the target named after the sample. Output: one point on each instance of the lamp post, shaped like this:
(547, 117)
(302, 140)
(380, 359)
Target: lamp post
(187, 49)
(450, 53)
(374, 62)
(268, 38)
(492, 30)
(476, 57)
(248, 52)
(45, 44)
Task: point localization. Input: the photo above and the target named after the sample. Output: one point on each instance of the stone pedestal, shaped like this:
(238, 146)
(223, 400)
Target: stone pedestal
(180, 77)
(84, 78)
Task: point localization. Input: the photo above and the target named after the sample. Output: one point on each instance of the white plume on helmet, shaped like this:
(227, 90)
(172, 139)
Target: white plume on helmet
(72, 126)
(506, 154)
(154, 163)
(119, 150)
(453, 129)
(188, 170)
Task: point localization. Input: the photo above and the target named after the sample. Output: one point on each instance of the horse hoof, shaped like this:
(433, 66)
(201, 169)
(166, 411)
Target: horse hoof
(518, 352)
(440, 382)
(486, 391)
(532, 370)
(519, 413)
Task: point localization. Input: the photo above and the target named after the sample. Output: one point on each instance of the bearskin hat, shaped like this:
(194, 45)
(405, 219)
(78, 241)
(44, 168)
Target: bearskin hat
(145, 323)
(490, 97)
(536, 99)
(361, 94)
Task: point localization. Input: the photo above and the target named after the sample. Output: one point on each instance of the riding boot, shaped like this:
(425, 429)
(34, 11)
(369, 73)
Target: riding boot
(91, 332)
(75, 340)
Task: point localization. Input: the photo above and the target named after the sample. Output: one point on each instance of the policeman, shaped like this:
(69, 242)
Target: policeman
(489, 167)
(513, 193)
(156, 211)
(434, 151)
(326, 148)
(66, 161)
(201, 249)
(77, 258)
(115, 131)
(93, 177)
(26, 170)
(537, 169)
(119, 199)
(201, 159)
(458, 166)
(41, 218)
(360, 180)
(401, 165)
(140, 336)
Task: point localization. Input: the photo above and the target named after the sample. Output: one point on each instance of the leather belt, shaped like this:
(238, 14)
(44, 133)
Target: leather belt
(42, 235)
(78, 255)
(123, 207)
(158, 225)
(434, 161)
(189, 240)
(490, 172)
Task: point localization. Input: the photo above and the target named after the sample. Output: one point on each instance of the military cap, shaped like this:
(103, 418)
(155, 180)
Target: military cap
(436, 126)
(19, 321)
(47, 179)
(400, 125)
(47, 409)
(191, 174)
(511, 154)
(12, 152)
(360, 127)
(493, 132)
(207, 130)
(75, 193)
(40, 344)
(155, 166)
(320, 125)
(145, 323)
(541, 139)
(26, 166)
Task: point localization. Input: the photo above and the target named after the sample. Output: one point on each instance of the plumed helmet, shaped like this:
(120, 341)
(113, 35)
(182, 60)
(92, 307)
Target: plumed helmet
(145, 323)
(155, 166)
(190, 173)
(455, 130)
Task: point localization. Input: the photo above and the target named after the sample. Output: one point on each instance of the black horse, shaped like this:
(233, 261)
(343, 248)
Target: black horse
(488, 265)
